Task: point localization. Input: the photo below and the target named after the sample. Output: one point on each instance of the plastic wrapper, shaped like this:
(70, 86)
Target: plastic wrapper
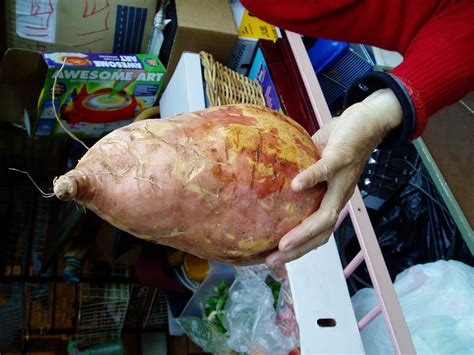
(253, 315)
(204, 334)
(437, 302)
(250, 317)
(207, 332)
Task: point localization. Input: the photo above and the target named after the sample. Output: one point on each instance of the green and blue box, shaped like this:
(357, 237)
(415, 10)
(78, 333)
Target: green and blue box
(95, 93)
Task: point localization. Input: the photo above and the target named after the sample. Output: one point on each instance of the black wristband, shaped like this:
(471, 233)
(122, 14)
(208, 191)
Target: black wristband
(374, 81)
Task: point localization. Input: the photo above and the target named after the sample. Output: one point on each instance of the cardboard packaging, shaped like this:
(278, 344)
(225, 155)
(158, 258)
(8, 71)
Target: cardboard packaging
(101, 26)
(198, 25)
(251, 29)
(94, 93)
(260, 71)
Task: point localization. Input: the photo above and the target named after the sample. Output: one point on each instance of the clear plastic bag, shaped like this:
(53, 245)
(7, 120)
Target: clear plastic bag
(250, 316)
(437, 302)
(204, 334)
(207, 332)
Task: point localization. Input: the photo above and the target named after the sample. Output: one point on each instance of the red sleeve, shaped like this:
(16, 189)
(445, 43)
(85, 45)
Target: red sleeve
(435, 37)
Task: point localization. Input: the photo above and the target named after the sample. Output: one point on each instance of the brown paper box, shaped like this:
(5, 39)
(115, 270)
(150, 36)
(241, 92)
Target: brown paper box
(202, 25)
(120, 26)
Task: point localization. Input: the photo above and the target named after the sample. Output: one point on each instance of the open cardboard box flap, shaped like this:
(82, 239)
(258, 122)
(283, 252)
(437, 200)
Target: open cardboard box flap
(205, 25)
(22, 75)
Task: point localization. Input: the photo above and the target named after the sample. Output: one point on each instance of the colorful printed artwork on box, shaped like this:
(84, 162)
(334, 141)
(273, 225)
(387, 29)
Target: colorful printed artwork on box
(96, 93)
(259, 71)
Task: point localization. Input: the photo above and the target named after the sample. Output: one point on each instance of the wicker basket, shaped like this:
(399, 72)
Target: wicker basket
(225, 86)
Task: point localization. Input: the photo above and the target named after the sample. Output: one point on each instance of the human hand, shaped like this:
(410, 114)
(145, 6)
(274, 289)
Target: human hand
(345, 145)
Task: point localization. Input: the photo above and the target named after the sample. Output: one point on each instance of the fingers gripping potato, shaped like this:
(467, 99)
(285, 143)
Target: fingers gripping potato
(215, 183)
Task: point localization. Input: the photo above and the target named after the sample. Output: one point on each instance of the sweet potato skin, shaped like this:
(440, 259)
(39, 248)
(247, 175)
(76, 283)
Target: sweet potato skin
(214, 183)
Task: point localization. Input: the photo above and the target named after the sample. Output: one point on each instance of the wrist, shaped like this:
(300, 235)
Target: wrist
(399, 132)
(387, 109)
(377, 115)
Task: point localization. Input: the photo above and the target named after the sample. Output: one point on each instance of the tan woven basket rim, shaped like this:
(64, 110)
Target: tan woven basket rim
(225, 86)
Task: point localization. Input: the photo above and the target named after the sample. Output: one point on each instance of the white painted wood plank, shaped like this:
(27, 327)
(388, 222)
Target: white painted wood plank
(319, 290)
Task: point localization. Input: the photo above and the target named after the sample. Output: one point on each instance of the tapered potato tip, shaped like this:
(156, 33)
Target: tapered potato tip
(65, 188)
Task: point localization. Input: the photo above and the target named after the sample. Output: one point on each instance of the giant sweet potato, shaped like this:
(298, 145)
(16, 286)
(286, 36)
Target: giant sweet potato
(214, 183)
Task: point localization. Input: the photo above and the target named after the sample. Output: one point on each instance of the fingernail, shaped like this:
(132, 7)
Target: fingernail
(274, 261)
(287, 247)
(296, 185)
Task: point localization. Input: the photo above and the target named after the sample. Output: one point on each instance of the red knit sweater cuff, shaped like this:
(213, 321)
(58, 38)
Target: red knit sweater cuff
(421, 115)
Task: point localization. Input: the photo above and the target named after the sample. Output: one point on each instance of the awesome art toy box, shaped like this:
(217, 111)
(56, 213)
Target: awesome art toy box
(95, 93)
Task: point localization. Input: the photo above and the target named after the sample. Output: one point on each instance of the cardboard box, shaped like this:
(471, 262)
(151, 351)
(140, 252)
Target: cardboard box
(251, 29)
(103, 26)
(259, 71)
(198, 25)
(94, 93)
